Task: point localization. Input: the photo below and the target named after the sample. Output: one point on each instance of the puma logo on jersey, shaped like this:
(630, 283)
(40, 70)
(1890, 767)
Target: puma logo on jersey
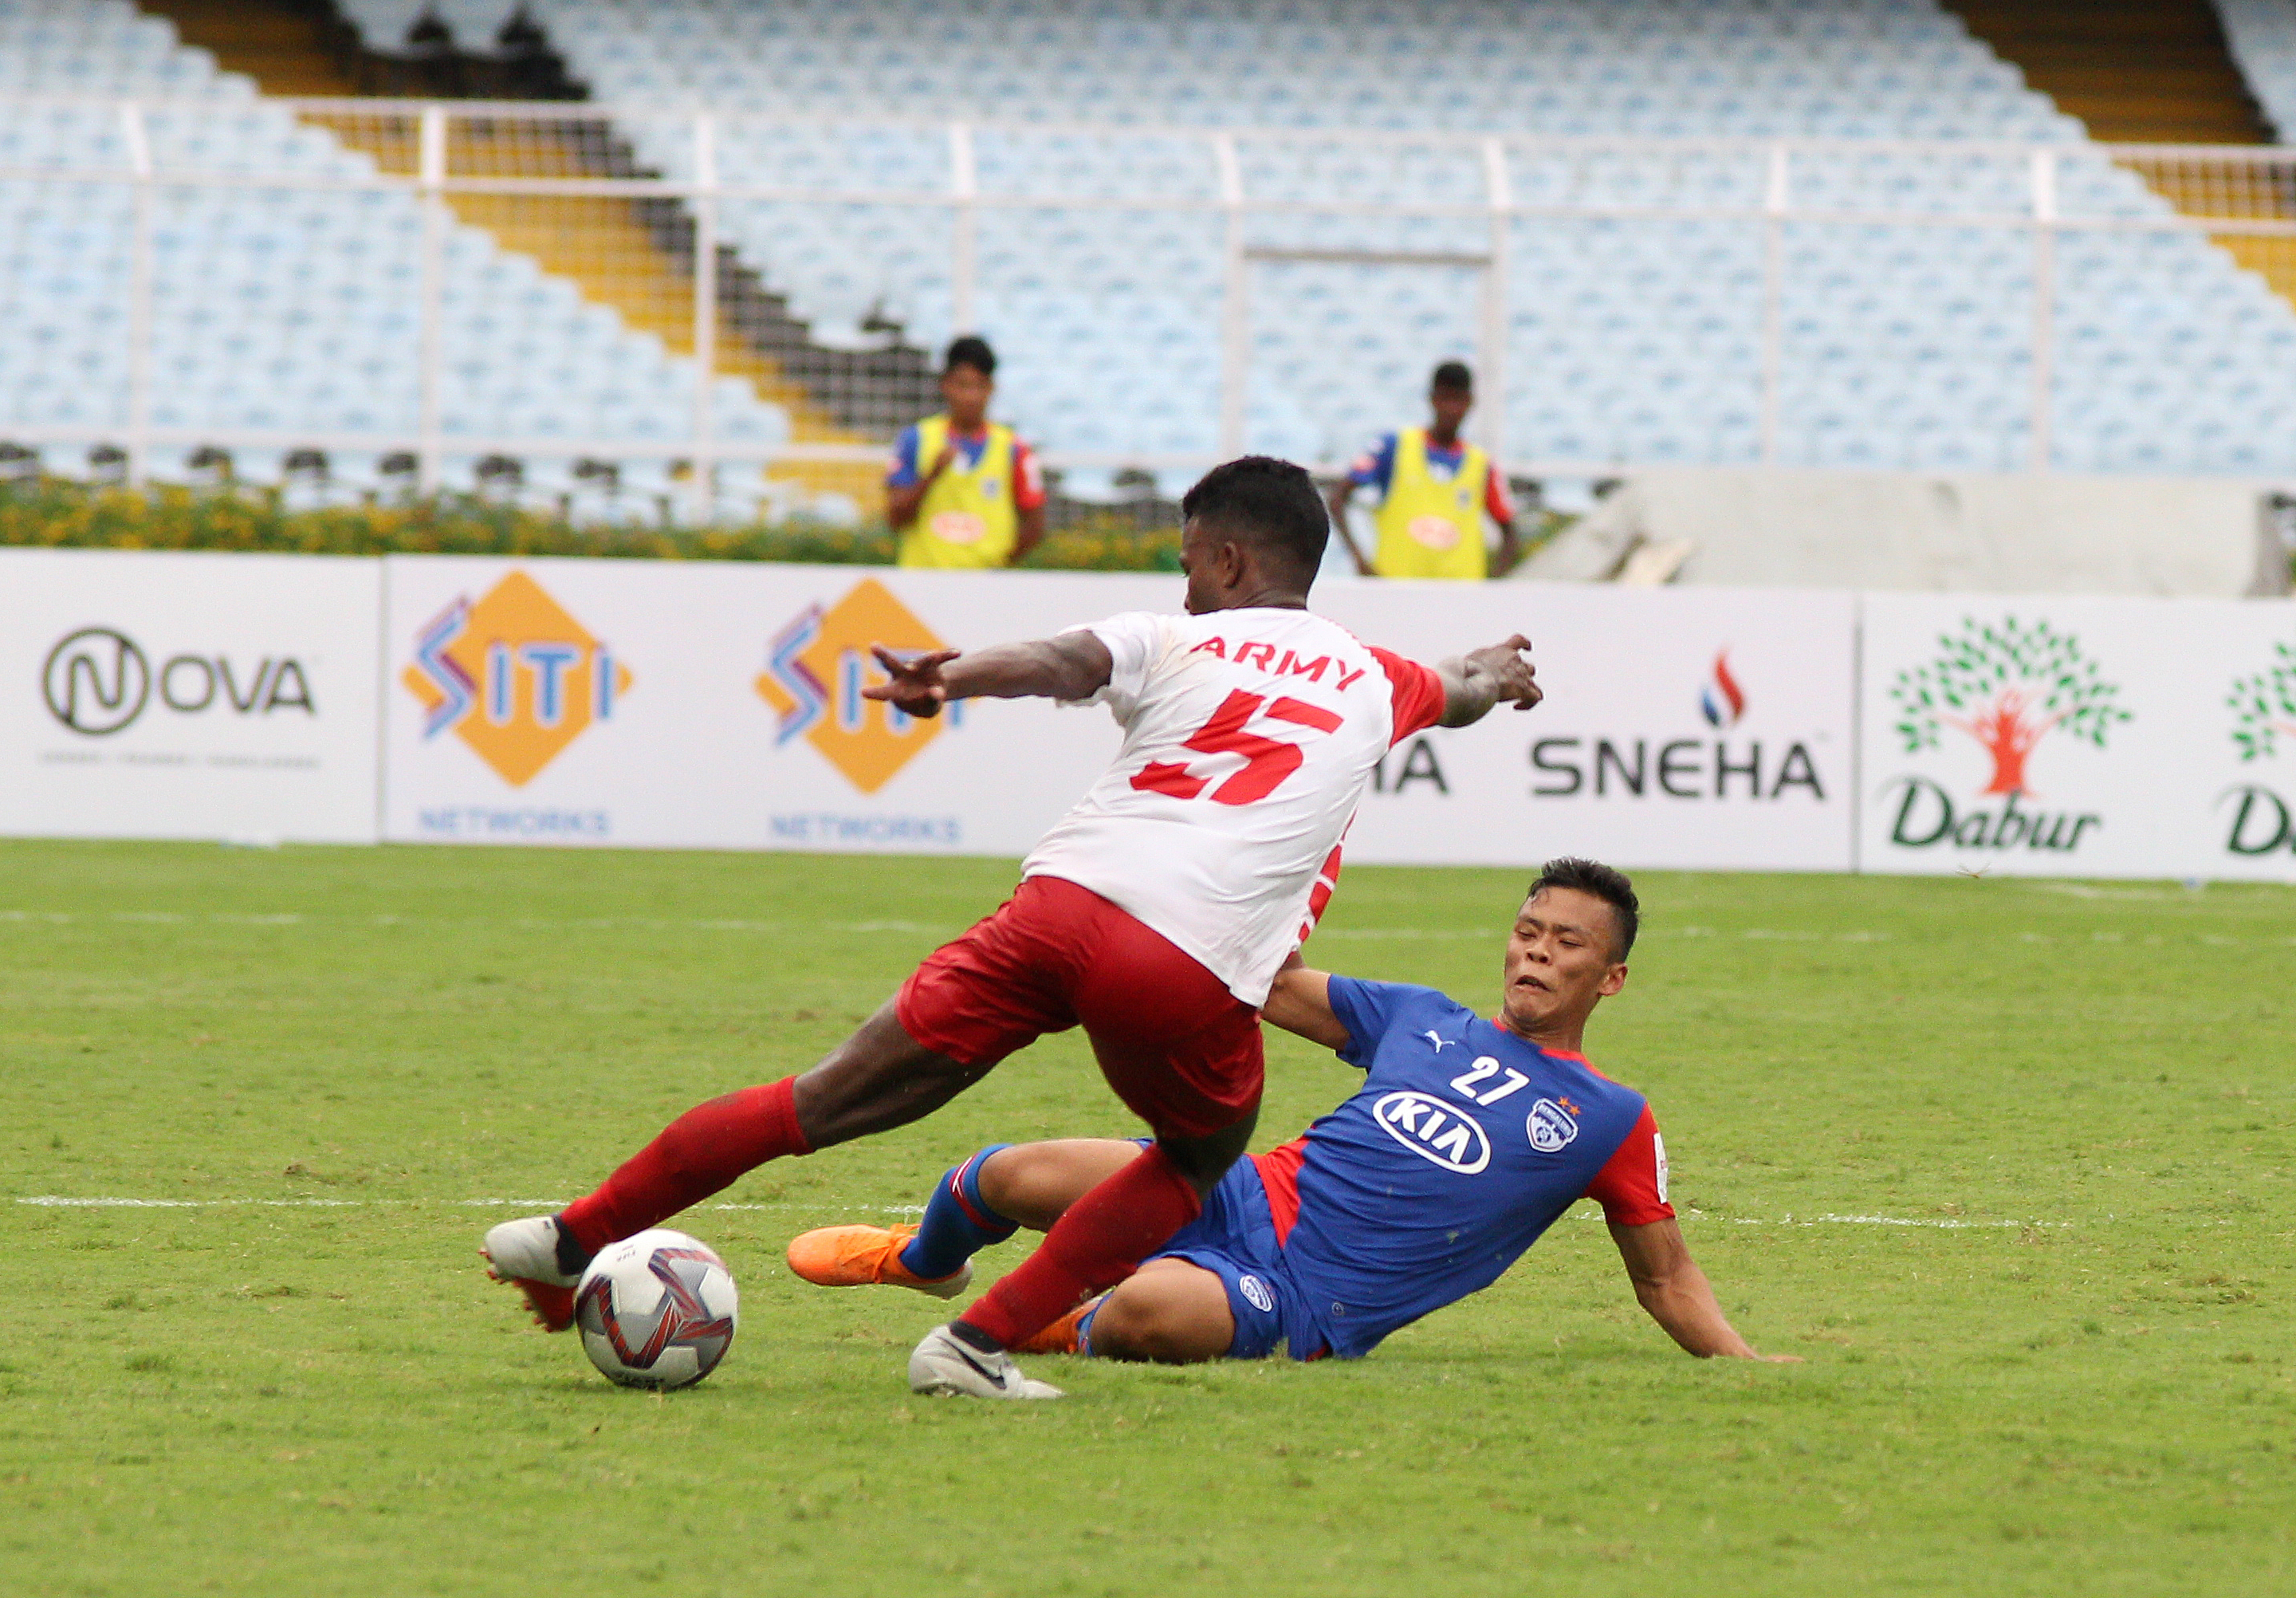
(1441, 1042)
(1434, 1131)
(1262, 657)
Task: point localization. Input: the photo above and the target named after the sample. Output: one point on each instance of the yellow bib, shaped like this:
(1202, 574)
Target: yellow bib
(1430, 528)
(967, 518)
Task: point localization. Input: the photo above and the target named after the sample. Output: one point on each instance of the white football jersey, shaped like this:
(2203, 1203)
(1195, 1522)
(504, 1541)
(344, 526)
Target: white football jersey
(1250, 736)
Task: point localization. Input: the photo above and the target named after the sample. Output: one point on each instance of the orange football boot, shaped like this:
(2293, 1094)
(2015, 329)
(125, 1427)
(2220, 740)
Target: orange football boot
(1063, 1336)
(854, 1256)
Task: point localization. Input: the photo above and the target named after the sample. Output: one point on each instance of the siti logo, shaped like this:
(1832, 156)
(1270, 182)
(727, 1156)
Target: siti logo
(513, 676)
(2006, 686)
(2263, 704)
(1722, 700)
(98, 681)
(816, 668)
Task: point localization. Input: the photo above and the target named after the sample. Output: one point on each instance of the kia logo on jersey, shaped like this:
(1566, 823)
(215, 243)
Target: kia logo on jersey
(1435, 1132)
(1551, 1127)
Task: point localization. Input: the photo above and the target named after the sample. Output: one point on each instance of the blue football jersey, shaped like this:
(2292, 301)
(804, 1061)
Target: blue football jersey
(1465, 1144)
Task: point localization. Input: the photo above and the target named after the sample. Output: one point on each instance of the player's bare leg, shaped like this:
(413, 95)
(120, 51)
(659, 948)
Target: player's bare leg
(877, 1079)
(978, 1203)
(1170, 1312)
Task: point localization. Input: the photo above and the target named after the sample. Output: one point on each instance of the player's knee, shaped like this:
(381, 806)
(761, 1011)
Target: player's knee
(1144, 1320)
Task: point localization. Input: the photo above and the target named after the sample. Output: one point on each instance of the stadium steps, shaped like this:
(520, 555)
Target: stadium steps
(621, 253)
(2149, 72)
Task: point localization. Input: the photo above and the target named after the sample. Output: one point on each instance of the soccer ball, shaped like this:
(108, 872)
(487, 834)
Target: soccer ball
(656, 1310)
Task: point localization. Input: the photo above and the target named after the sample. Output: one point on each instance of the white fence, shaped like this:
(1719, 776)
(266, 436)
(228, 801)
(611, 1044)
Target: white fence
(682, 704)
(1722, 302)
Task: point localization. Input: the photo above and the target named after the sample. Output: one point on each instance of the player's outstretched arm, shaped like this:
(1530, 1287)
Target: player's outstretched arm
(1675, 1292)
(1299, 1000)
(1075, 665)
(1478, 681)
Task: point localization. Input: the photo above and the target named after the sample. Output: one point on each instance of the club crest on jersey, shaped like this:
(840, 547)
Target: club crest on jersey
(1436, 1132)
(1551, 1127)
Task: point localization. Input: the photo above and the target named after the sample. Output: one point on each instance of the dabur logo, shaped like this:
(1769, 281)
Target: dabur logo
(2007, 686)
(513, 676)
(816, 668)
(1682, 768)
(2264, 718)
(98, 680)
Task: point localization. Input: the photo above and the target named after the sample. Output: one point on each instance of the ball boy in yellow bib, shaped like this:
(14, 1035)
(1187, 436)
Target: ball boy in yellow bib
(1435, 488)
(964, 491)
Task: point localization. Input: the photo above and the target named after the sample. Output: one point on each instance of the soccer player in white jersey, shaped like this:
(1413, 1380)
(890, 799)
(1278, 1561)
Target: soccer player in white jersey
(1155, 915)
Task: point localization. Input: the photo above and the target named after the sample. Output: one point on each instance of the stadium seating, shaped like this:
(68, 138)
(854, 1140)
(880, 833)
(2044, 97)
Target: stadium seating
(2263, 37)
(278, 309)
(1630, 340)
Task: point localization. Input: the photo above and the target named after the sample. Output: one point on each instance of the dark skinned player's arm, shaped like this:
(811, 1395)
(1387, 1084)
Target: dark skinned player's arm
(1074, 665)
(1477, 682)
(1669, 1285)
(1341, 492)
(1300, 1002)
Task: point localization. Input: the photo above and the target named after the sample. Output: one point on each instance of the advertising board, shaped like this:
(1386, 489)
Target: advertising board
(168, 695)
(2080, 737)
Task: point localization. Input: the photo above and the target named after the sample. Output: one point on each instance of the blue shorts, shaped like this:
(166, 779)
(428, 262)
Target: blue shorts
(1235, 1239)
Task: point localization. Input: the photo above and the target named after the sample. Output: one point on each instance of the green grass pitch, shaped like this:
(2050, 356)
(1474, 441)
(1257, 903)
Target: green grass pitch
(2054, 1356)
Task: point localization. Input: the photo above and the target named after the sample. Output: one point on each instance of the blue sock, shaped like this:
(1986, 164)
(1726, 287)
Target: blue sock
(958, 1222)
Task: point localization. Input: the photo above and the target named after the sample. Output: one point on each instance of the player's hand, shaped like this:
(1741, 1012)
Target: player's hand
(1508, 674)
(913, 684)
(941, 462)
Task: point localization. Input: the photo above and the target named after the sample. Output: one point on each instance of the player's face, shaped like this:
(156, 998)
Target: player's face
(1451, 407)
(966, 393)
(1558, 959)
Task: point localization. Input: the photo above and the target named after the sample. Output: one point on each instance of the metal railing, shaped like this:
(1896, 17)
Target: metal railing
(661, 181)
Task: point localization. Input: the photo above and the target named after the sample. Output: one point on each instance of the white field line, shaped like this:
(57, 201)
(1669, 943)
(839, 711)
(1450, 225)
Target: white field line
(57, 1201)
(1760, 935)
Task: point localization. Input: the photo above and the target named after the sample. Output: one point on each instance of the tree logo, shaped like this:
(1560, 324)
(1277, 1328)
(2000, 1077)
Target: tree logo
(2264, 707)
(2007, 686)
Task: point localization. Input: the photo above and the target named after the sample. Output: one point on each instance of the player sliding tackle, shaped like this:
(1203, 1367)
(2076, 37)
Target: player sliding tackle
(1154, 915)
(1469, 1138)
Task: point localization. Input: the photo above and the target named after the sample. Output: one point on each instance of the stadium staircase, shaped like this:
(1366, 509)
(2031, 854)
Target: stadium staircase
(634, 256)
(2148, 72)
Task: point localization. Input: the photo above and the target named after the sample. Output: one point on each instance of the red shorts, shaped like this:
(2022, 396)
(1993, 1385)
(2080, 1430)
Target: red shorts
(1180, 1050)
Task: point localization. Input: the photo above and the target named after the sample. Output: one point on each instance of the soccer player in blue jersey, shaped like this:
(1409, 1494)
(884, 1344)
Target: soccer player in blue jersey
(1468, 1140)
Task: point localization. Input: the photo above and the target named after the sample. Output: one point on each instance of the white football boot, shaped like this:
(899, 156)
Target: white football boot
(525, 1254)
(946, 1364)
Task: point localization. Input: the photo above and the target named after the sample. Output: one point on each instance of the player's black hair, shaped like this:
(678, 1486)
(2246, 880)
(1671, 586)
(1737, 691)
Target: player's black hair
(1454, 377)
(1271, 505)
(1606, 883)
(970, 350)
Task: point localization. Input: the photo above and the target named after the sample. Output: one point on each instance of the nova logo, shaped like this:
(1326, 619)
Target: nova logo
(2264, 712)
(513, 676)
(97, 682)
(1722, 700)
(1435, 1132)
(2007, 686)
(816, 668)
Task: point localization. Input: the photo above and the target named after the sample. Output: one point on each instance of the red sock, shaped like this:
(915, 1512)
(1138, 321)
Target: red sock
(1100, 1241)
(701, 1152)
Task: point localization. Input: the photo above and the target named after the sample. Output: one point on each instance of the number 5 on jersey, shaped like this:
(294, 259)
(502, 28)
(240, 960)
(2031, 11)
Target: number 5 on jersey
(1267, 762)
